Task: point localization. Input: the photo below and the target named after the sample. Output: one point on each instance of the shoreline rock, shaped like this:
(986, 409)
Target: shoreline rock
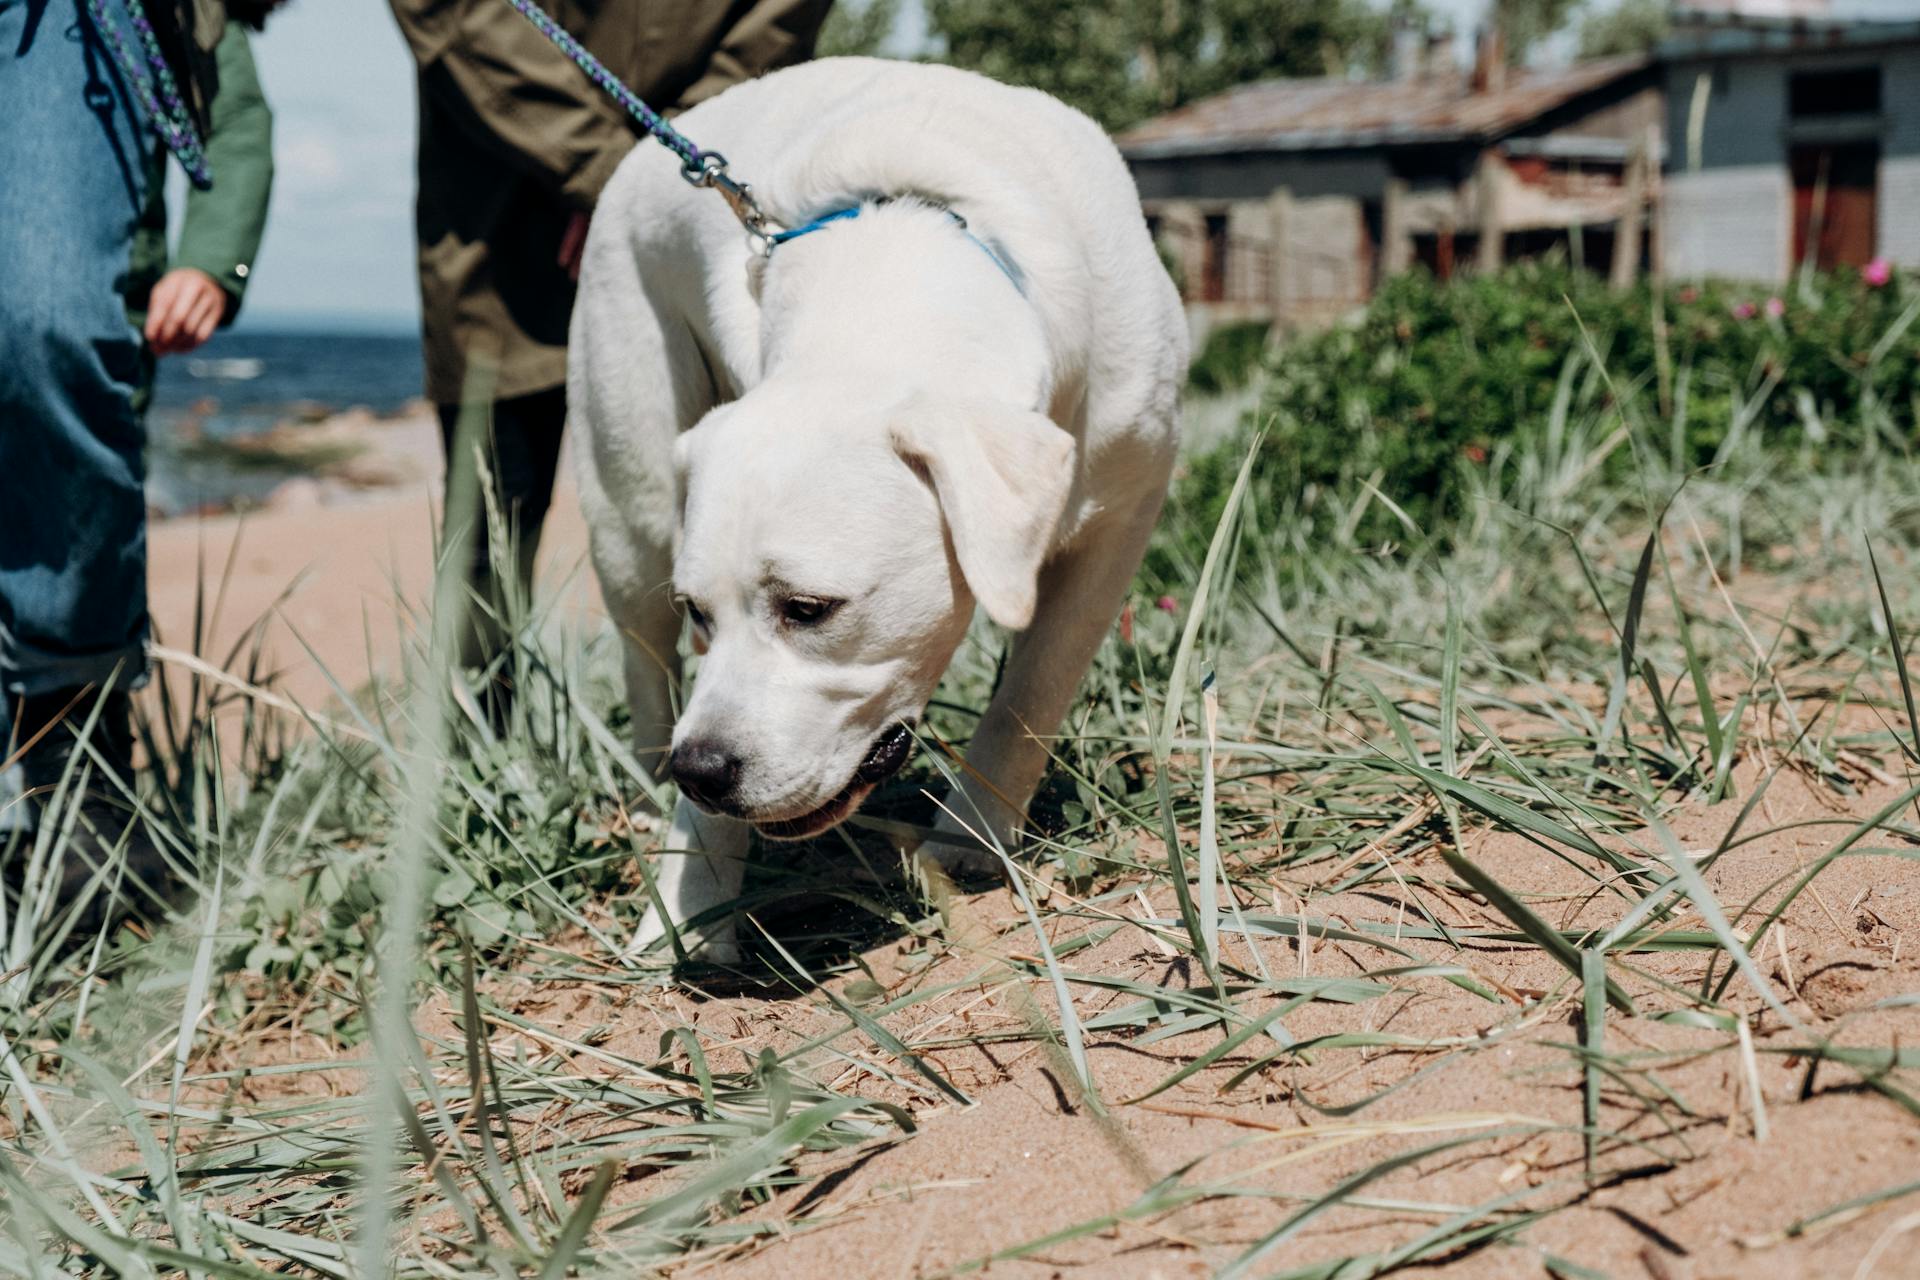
(325, 458)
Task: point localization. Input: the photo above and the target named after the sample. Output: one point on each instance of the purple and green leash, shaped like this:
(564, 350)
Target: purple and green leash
(153, 83)
(701, 168)
(709, 168)
(158, 93)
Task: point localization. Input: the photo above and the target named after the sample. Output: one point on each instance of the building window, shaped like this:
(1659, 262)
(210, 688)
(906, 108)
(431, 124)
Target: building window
(1440, 251)
(1213, 260)
(1852, 92)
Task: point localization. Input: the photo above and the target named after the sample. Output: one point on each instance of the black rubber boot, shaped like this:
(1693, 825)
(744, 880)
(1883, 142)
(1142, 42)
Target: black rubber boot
(84, 796)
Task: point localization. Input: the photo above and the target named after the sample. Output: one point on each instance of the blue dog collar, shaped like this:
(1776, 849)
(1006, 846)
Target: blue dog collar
(826, 220)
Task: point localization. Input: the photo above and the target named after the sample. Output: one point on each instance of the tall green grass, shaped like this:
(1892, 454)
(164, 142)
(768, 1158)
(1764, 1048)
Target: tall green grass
(1294, 709)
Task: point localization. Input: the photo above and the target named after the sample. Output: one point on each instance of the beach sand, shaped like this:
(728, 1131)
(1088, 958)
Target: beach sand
(1025, 1161)
(324, 567)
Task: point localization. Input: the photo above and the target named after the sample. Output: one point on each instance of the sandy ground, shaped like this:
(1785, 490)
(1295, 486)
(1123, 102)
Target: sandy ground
(1697, 1177)
(324, 576)
(1696, 1188)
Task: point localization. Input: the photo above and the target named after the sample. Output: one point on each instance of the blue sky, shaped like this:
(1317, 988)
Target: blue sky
(339, 244)
(339, 240)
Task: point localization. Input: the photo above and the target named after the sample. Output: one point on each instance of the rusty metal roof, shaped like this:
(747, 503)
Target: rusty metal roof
(1756, 8)
(1298, 115)
(1729, 28)
(1837, 11)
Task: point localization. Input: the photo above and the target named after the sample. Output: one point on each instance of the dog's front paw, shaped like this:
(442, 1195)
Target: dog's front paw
(716, 945)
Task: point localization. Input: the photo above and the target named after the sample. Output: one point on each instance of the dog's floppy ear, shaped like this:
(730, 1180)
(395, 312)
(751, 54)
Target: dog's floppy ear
(1002, 476)
(687, 444)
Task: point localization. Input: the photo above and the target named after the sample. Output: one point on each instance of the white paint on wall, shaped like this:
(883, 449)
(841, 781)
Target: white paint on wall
(1322, 245)
(1899, 210)
(1735, 221)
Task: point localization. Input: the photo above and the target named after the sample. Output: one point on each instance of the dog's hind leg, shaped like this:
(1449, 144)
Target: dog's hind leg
(1081, 591)
(650, 660)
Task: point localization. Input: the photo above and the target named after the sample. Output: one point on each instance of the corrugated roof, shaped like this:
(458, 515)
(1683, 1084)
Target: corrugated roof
(1294, 115)
(1734, 28)
(1814, 11)
(1754, 8)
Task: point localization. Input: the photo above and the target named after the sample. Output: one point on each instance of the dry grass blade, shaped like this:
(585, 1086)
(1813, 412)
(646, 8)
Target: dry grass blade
(1910, 744)
(1176, 698)
(1593, 987)
(573, 1233)
(869, 1026)
(1245, 1263)
(1536, 930)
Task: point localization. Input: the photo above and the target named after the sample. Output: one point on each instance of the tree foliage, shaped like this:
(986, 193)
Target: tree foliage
(1524, 24)
(1128, 59)
(1636, 26)
(858, 30)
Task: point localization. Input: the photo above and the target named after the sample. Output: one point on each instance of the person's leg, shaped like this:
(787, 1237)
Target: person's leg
(72, 507)
(522, 453)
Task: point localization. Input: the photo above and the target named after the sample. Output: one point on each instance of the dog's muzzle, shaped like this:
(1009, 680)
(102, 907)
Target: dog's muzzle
(884, 758)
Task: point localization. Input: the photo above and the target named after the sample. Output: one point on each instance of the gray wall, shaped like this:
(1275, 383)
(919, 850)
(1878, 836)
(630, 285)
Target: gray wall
(1733, 215)
(1256, 176)
(1900, 160)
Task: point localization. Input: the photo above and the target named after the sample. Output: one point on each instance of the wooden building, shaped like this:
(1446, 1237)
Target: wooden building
(1290, 199)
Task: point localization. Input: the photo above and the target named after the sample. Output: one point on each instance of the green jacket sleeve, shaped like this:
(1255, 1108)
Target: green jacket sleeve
(221, 231)
(492, 70)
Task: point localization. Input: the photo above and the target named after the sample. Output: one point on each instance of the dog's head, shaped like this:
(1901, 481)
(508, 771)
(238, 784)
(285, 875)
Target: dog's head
(830, 563)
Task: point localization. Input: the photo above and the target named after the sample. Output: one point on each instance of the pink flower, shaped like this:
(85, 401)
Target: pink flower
(1689, 295)
(1167, 604)
(1744, 311)
(1877, 273)
(1776, 308)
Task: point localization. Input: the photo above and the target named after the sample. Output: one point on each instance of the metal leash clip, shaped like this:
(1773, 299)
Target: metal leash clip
(711, 172)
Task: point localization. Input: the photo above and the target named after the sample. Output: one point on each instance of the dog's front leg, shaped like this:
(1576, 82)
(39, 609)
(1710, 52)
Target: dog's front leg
(704, 857)
(702, 867)
(1081, 591)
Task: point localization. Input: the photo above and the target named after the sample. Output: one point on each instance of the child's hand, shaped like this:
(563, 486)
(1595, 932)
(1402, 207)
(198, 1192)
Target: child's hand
(184, 311)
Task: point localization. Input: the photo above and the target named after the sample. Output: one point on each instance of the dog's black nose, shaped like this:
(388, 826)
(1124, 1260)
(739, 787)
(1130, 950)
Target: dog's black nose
(705, 772)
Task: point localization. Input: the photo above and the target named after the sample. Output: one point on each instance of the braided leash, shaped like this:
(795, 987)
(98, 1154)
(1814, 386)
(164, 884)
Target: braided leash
(649, 119)
(700, 168)
(154, 85)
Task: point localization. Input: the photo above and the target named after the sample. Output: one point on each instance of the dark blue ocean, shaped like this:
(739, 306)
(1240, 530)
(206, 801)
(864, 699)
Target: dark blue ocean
(244, 383)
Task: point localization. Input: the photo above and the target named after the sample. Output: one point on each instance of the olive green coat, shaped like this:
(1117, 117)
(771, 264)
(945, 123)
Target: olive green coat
(220, 233)
(514, 139)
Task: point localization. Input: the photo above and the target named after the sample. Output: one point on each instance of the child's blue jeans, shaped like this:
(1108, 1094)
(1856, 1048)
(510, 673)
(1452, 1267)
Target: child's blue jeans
(74, 159)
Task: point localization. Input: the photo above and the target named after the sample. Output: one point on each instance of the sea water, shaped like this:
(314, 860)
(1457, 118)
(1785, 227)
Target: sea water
(248, 382)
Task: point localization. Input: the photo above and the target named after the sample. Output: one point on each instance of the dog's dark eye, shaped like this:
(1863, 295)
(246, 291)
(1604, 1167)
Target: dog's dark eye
(807, 611)
(698, 618)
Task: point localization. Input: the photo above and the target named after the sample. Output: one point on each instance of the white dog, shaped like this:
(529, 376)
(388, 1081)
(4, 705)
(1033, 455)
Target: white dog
(964, 391)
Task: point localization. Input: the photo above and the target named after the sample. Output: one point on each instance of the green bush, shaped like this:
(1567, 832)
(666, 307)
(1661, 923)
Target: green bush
(1230, 358)
(1439, 381)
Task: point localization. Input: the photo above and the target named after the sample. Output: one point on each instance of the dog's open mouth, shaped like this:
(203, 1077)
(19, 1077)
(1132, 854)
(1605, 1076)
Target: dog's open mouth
(884, 758)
